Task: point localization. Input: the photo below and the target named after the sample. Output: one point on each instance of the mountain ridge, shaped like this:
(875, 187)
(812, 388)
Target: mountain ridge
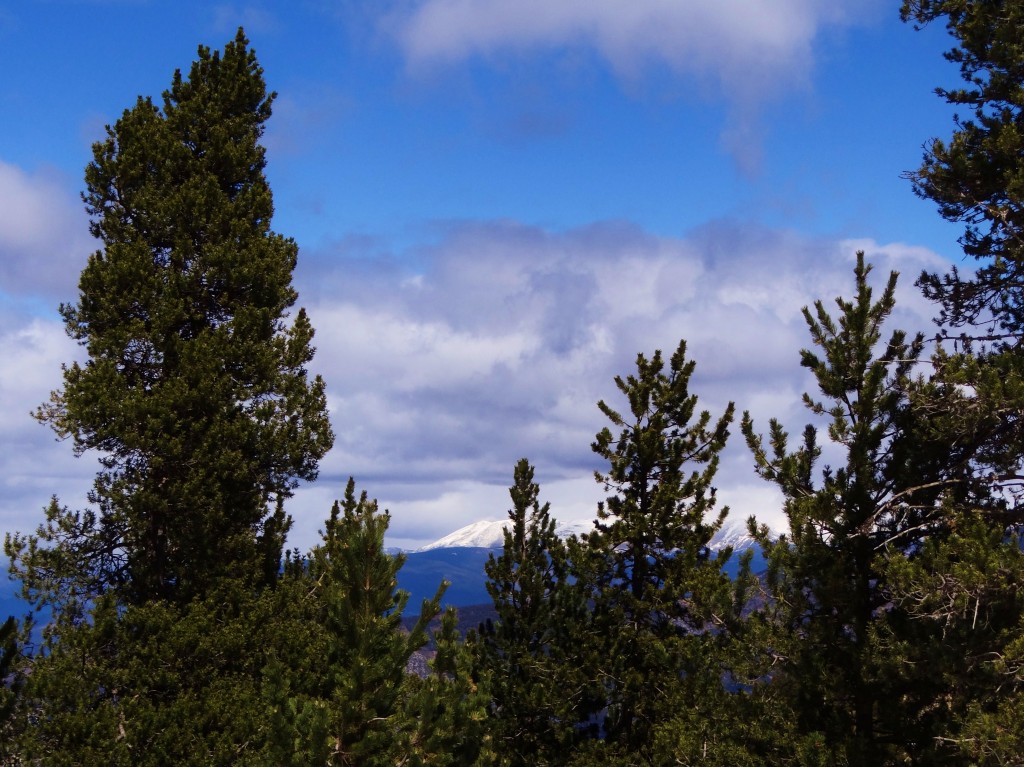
(489, 534)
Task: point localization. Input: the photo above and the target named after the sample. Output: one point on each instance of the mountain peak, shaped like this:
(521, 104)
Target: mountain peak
(485, 533)
(490, 534)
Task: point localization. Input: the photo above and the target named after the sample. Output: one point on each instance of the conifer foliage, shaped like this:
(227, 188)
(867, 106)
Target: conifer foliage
(659, 593)
(825, 578)
(533, 652)
(959, 590)
(976, 177)
(615, 648)
(195, 392)
(9, 650)
(887, 629)
(195, 396)
(850, 655)
(340, 689)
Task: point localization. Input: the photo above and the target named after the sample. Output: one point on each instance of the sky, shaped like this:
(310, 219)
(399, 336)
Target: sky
(498, 204)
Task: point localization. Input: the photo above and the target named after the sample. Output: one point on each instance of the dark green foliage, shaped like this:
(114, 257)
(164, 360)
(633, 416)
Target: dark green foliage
(965, 623)
(195, 392)
(339, 689)
(847, 662)
(977, 177)
(10, 683)
(663, 610)
(658, 507)
(338, 702)
(155, 684)
(962, 589)
(196, 398)
(533, 653)
(825, 578)
(619, 648)
(448, 708)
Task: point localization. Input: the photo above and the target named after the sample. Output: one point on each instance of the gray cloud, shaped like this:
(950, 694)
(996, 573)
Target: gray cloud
(501, 343)
(448, 363)
(43, 235)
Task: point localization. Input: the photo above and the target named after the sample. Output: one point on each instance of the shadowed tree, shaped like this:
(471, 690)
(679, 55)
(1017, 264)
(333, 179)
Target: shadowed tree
(195, 396)
(194, 392)
(535, 652)
(339, 687)
(976, 177)
(663, 610)
(848, 660)
(9, 685)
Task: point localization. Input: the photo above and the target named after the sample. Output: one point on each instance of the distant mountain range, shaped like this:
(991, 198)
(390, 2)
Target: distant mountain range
(459, 558)
(489, 534)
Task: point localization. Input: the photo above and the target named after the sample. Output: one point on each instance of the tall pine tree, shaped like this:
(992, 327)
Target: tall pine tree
(195, 394)
(662, 607)
(195, 397)
(976, 177)
(845, 662)
(961, 589)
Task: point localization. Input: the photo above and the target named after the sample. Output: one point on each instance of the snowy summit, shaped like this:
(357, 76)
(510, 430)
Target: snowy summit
(489, 534)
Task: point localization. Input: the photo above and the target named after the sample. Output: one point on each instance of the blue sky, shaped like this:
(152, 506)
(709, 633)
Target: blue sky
(499, 203)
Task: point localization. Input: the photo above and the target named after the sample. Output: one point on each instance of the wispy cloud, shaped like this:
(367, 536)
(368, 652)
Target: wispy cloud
(745, 51)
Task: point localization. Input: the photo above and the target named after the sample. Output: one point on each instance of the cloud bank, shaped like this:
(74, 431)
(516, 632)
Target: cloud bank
(43, 234)
(500, 344)
(449, 361)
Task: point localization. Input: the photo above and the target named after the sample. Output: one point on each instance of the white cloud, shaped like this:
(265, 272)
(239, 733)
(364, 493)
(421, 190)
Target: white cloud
(439, 353)
(717, 36)
(749, 51)
(33, 465)
(496, 347)
(44, 238)
(500, 346)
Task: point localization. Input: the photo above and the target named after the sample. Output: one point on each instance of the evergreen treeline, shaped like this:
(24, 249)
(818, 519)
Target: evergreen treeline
(887, 629)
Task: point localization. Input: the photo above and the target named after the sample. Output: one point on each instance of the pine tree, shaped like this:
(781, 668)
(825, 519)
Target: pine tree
(977, 178)
(448, 708)
(533, 651)
(963, 621)
(662, 604)
(196, 398)
(339, 695)
(339, 686)
(844, 662)
(195, 393)
(960, 590)
(155, 684)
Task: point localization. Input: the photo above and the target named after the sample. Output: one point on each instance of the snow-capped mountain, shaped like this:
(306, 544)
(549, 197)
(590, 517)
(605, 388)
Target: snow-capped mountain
(485, 534)
(489, 534)
(459, 557)
(735, 533)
